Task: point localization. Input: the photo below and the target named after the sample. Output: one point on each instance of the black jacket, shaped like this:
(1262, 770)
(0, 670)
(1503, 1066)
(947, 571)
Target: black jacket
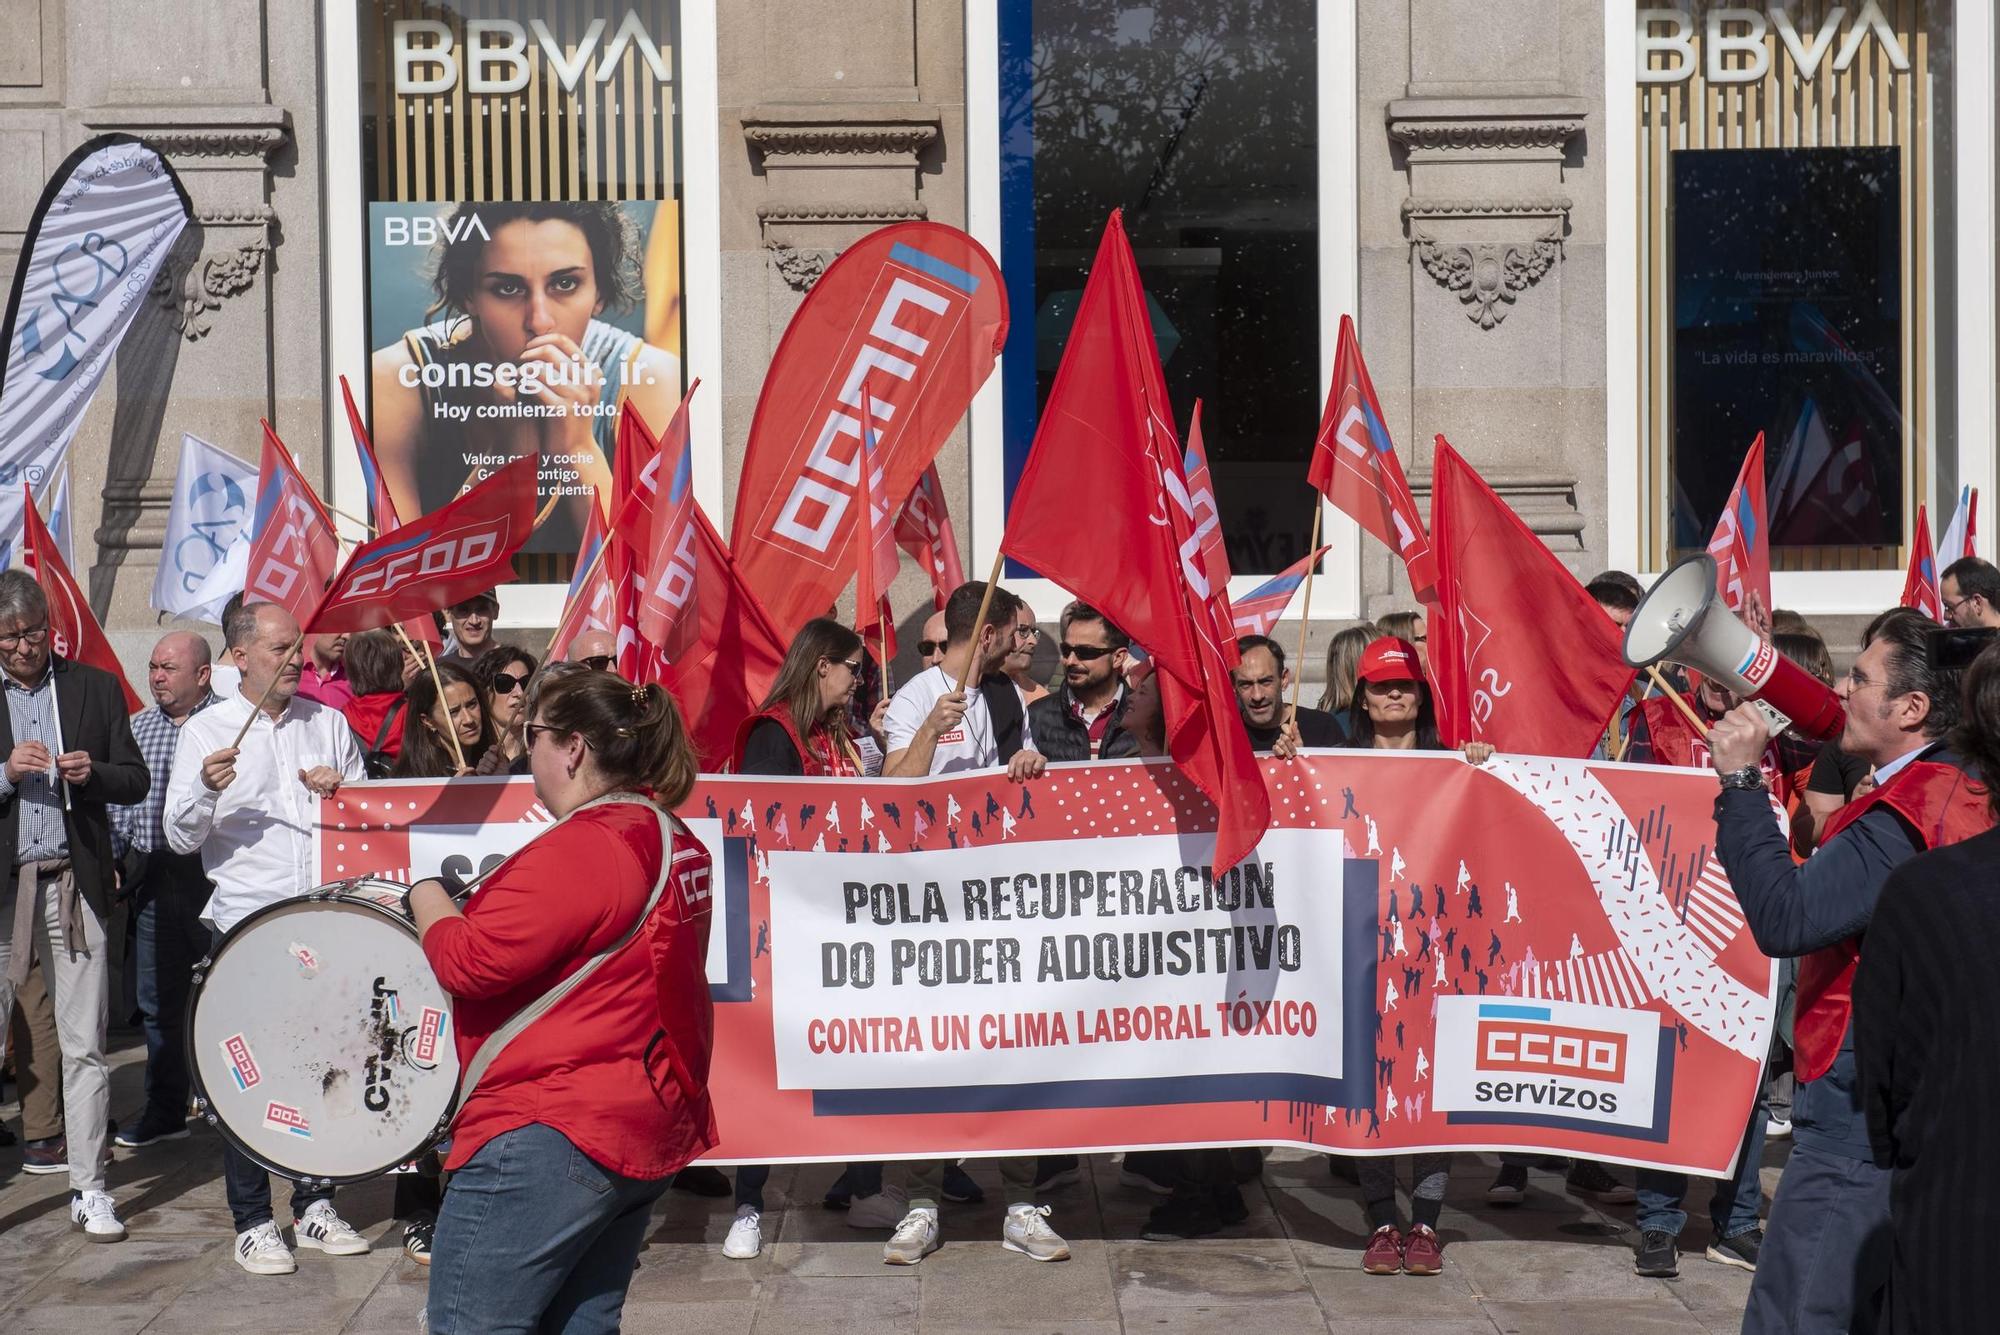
(1003, 706)
(1317, 728)
(1060, 735)
(91, 708)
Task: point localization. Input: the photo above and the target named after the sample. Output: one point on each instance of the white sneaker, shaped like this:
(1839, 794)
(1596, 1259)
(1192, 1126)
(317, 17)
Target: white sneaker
(320, 1227)
(93, 1215)
(262, 1252)
(1779, 1129)
(1027, 1232)
(915, 1238)
(887, 1208)
(746, 1235)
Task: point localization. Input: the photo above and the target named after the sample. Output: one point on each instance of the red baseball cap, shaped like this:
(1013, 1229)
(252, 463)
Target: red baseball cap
(1390, 659)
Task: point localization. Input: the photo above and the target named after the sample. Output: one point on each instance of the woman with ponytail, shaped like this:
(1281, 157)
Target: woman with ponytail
(583, 1021)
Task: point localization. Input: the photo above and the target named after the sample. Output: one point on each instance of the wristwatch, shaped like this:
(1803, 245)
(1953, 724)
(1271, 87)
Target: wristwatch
(1749, 777)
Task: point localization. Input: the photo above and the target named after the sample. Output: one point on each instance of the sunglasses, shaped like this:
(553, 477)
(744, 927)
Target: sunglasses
(851, 664)
(1085, 653)
(506, 683)
(925, 648)
(598, 662)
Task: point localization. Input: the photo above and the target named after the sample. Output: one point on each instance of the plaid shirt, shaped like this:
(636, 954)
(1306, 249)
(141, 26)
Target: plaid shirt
(138, 826)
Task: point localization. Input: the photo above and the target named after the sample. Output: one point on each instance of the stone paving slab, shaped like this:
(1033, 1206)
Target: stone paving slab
(1552, 1265)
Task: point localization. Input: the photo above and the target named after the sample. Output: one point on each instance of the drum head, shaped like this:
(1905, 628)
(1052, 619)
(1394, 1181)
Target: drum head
(321, 1041)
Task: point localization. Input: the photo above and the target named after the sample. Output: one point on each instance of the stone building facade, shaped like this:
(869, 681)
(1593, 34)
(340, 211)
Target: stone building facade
(1512, 197)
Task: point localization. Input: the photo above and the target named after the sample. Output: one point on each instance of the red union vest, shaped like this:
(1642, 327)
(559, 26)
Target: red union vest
(1943, 805)
(1675, 742)
(844, 764)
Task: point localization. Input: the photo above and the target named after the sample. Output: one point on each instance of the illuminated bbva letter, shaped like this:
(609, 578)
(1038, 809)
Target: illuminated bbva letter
(1678, 42)
(513, 52)
(408, 57)
(1719, 40)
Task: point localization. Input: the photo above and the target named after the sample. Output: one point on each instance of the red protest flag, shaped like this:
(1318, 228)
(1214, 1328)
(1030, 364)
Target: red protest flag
(1354, 464)
(923, 529)
(1741, 544)
(635, 474)
(919, 310)
(1207, 534)
(463, 547)
(724, 678)
(1258, 610)
(73, 629)
(381, 505)
(293, 550)
(587, 606)
(1126, 542)
(875, 562)
(667, 619)
(1921, 588)
(1520, 655)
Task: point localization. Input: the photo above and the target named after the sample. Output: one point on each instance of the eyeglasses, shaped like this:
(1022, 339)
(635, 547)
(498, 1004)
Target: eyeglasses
(598, 662)
(506, 683)
(1950, 609)
(925, 648)
(32, 635)
(1026, 632)
(531, 729)
(1085, 653)
(851, 664)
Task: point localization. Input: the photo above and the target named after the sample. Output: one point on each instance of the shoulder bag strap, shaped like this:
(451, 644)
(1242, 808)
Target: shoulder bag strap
(497, 1041)
(395, 711)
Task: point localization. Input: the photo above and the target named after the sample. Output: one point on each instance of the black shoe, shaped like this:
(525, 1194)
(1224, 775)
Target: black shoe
(701, 1180)
(1345, 1167)
(1180, 1217)
(1510, 1185)
(1248, 1161)
(1138, 1170)
(417, 1241)
(960, 1189)
(148, 1130)
(1739, 1251)
(1057, 1170)
(1229, 1206)
(1658, 1255)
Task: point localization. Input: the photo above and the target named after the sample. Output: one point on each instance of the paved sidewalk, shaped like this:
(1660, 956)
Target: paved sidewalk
(1553, 1264)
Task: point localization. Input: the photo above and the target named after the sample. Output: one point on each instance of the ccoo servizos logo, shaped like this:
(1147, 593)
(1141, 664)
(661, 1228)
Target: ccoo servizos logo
(1540, 1048)
(1527, 1060)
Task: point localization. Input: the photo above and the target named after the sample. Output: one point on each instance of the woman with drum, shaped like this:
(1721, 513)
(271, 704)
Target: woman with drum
(429, 724)
(801, 730)
(583, 1022)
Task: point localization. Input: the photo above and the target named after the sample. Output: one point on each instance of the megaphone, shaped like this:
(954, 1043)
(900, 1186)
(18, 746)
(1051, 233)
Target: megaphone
(1683, 620)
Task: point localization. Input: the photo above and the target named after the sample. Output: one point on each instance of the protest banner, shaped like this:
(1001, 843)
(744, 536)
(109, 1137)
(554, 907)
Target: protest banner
(1536, 954)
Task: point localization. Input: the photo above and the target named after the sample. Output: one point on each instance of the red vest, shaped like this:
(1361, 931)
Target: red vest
(813, 760)
(677, 940)
(1675, 742)
(1942, 805)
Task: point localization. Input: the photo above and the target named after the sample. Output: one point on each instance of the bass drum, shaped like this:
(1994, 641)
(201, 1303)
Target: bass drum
(320, 1042)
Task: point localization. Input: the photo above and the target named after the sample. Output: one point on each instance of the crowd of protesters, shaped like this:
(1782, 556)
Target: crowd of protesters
(163, 828)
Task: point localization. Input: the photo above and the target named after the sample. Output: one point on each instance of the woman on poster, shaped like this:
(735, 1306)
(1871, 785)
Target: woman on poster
(516, 358)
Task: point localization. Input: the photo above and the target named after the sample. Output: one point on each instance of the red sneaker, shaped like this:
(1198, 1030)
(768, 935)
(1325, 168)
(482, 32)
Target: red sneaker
(1423, 1254)
(1385, 1252)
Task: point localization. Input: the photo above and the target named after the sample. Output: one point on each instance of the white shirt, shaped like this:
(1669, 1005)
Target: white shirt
(970, 745)
(255, 836)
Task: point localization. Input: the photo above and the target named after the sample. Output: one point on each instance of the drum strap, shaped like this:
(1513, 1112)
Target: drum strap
(497, 1041)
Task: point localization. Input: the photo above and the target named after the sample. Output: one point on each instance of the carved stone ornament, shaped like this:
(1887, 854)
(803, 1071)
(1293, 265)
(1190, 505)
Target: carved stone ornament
(800, 268)
(193, 289)
(874, 214)
(838, 140)
(1487, 275)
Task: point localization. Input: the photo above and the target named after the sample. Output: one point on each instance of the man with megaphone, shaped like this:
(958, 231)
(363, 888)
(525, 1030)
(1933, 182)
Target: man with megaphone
(1825, 1259)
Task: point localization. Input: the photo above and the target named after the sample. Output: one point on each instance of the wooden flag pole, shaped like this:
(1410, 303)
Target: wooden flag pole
(258, 708)
(1305, 605)
(979, 622)
(437, 680)
(1653, 671)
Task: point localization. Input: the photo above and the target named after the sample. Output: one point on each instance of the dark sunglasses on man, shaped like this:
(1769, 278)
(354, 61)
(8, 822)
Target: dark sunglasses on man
(925, 648)
(1084, 653)
(598, 662)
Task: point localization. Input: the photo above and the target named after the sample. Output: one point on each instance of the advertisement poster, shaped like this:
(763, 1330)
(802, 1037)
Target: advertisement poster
(1535, 954)
(524, 246)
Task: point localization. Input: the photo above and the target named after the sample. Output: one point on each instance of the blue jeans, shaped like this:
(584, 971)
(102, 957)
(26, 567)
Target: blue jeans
(171, 940)
(1732, 1210)
(1826, 1258)
(535, 1236)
